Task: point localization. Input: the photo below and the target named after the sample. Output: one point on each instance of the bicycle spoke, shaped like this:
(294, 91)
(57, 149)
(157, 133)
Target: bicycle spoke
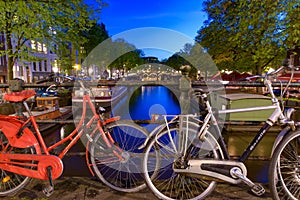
(285, 181)
(10, 183)
(120, 174)
(159, 174)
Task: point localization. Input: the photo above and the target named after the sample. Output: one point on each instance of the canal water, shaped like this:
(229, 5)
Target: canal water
(141, 103)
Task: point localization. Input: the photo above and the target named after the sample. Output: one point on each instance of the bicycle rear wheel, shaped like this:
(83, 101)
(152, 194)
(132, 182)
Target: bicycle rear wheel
(10, 183)
(284, 170)
(162, 180)
(122, 175)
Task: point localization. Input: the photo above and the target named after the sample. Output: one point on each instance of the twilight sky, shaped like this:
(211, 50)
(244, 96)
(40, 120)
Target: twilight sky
(169, 19)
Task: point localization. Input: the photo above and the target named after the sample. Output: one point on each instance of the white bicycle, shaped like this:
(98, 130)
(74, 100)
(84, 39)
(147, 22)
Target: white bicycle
(192, 155)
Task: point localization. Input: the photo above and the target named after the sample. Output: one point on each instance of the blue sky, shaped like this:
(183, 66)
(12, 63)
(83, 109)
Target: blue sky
(182, 17)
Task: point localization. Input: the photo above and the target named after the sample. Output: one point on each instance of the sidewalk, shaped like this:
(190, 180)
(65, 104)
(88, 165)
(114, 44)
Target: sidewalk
(84, 188)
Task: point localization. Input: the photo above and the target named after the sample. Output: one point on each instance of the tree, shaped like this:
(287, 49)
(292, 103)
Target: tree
(249, 35)
(129, 58)
(176, 61)
(195, 56)
(50, 22)
(94, 36)
(113, 54)
(200, 60)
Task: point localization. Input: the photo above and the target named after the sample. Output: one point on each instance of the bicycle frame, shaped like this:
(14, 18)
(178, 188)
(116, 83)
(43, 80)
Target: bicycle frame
(210, 118)
(273, 118)
(77, 133)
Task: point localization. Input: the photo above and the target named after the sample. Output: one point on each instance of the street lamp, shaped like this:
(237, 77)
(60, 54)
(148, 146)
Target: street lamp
(76, 67)
(55, 69)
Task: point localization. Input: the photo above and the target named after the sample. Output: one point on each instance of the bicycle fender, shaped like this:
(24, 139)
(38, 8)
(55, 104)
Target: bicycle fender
(87, 159)
(288, 114)
(110, 120)
(279, 138)
(11, 128)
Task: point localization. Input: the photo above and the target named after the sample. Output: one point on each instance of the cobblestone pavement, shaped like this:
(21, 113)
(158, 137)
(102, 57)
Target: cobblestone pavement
(85, 188)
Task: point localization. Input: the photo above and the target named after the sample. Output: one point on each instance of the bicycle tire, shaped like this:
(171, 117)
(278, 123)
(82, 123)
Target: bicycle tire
(124, 176)
(11, 183)
(284, 169)
(165, 183)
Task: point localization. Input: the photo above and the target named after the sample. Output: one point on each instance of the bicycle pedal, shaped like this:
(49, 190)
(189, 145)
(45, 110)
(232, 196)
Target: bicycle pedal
(258, 190)
(48, 191)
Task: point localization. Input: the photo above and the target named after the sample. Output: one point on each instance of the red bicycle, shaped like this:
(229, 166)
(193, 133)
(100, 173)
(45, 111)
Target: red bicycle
(112, 152)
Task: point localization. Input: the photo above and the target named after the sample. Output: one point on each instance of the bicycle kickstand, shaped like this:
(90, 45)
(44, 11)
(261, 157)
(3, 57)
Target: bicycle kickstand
(48, 190)
(257, 189)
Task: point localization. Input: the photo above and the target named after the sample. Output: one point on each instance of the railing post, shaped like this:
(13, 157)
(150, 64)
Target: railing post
(184, 86)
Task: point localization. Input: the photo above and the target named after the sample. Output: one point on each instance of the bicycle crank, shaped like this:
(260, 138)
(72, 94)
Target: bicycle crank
(34, 166)
(220, 169)
(230, 171)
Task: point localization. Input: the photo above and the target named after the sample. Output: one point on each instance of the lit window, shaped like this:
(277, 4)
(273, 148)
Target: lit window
(33, 45)
(39, 47)
(45, 48)
(81, 50)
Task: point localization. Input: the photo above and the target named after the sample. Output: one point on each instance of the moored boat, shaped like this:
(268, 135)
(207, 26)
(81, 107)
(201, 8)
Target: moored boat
(102, 95)
(48, 109)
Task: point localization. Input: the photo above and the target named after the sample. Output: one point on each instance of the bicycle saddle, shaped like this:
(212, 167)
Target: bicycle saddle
(19, 96)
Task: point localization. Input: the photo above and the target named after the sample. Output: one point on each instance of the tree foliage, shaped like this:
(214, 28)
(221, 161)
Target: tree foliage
(50, 22)
(94, 36)
(114, 54)
(176, 61)
(129, 59)
(250, 35)
(195, 56)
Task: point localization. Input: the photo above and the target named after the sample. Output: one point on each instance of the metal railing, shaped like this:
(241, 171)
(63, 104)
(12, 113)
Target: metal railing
(153, 83)
(184, 85)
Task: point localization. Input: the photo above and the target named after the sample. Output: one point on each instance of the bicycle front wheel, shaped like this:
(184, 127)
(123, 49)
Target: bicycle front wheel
(122, 175)
(10, 183)
(162, 180)
(284, 170)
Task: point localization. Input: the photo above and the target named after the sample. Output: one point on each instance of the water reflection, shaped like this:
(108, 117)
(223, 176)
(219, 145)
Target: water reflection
(148, 100)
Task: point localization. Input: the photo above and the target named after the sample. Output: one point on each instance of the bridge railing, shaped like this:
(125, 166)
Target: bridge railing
(153, 83)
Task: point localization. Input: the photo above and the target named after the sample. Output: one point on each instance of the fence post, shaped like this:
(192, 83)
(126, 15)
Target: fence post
(184, 87)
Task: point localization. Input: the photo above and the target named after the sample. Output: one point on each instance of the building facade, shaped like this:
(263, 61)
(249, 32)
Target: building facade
(29, 71)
